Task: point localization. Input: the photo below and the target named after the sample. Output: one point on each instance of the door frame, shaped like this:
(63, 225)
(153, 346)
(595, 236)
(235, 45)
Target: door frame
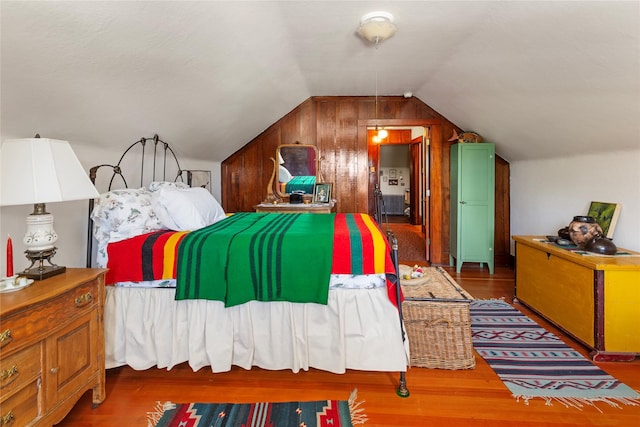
(432, 183)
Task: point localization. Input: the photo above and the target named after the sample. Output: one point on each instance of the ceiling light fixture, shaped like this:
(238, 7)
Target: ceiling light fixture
(377, 27)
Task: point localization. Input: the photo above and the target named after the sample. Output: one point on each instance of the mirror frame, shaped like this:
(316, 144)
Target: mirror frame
(277, 165)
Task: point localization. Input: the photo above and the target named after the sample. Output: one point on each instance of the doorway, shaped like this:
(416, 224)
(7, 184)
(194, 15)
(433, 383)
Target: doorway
(394, 177)
(399, 167)
(402, 157)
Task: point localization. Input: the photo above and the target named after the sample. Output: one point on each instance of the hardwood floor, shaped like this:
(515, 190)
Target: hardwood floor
(453, 398)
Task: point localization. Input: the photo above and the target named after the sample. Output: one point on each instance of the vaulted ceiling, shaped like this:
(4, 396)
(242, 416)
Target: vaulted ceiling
(540, 78)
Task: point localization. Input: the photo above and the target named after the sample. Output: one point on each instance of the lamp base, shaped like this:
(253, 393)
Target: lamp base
(42, 271)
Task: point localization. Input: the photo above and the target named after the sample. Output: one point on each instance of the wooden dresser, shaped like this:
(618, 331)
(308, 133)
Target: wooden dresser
(593, 298)
(51, 347)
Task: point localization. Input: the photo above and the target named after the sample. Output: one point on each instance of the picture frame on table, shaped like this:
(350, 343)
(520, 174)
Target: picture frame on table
(322, 193)
(606, 215)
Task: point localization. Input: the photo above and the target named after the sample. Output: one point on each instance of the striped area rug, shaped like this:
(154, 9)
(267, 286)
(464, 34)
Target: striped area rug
(534, 363)
(321, 413)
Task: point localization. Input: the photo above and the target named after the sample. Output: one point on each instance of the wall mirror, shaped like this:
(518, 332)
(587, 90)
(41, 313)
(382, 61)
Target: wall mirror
(297, 168)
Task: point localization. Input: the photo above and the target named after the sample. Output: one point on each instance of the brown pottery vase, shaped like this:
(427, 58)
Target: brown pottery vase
(582, 229)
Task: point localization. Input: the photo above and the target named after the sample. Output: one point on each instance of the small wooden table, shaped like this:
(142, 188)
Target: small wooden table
(321, 208)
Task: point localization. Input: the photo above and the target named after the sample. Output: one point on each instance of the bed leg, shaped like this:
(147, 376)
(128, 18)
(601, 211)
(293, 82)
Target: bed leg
(402, 389)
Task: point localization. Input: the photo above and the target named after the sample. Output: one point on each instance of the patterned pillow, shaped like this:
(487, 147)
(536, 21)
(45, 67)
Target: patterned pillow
(120, 214)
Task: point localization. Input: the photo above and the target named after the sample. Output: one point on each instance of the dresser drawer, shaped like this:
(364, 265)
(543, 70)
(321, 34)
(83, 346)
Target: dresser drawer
(51, 347)
(20, 368)
(17, 330)
(22, 407)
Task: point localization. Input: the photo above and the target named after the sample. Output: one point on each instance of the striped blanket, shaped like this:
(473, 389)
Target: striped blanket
(301, 183)
(146, 257)
(293, 265)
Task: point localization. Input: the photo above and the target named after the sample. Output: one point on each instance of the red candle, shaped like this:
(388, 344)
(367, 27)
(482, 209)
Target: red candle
(9, 257)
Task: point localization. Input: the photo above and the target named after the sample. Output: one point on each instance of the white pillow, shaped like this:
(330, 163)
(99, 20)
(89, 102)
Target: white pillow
(284, 175)
(156, 185)
(183, 209)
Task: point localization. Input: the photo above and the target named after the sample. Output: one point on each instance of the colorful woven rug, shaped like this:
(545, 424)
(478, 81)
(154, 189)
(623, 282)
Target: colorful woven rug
(534, 363)
(321, 413)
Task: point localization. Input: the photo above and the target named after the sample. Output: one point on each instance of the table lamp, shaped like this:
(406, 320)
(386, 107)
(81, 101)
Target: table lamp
(39, 171)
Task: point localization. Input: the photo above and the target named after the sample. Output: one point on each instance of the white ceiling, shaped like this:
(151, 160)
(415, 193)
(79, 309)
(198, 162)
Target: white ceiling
(541, 78)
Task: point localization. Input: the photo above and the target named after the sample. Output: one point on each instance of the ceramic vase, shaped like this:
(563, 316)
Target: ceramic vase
(582, 229)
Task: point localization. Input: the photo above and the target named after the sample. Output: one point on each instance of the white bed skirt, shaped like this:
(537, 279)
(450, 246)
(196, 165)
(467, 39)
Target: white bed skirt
(358, 329)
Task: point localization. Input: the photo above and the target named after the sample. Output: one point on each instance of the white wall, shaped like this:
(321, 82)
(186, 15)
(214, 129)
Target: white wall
(547, 194)
(401, 176)
(71, 218)
(397, 158)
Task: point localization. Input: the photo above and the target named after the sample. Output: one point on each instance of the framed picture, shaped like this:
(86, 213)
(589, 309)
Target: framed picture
(393, 182)
(322, 193)
(392, 173)
(198, 178)
(606, 215)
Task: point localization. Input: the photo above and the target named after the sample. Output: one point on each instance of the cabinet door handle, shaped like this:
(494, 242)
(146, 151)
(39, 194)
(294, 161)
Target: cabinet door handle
(54, 370)
(462, 202)
(84, 299)
(5, 338)
(11, 373)
(7, 420)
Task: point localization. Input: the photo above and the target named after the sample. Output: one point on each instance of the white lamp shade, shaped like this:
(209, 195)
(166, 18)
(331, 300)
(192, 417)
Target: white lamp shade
(41, 170)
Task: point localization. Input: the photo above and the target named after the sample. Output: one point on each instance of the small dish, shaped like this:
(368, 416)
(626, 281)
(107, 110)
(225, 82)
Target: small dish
(6, 287)
(564, 242)
(552, 238)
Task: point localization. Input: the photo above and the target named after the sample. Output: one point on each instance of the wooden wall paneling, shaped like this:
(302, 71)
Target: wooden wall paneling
(252, 172)
(231, 181)
(290, 128)
(326, 142)
(439, 199)
(307, 123)
(338, 127)
(348, 171)
(408, 109)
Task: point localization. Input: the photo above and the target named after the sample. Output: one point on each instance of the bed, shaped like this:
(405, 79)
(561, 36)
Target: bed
(153, 240)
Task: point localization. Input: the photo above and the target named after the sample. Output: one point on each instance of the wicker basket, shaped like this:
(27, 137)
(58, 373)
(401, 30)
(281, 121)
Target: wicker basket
(439, 334)
(437, 321)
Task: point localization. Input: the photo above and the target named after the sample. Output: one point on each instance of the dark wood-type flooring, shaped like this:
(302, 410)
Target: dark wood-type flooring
(438, 397)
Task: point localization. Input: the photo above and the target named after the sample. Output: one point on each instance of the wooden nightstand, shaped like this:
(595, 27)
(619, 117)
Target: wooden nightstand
(51, 347)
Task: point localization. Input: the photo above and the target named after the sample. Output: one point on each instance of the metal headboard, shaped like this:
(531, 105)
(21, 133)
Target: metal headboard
(116, 171)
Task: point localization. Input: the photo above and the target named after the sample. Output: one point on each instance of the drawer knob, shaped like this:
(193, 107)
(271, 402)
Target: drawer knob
(84, 299)
(54, 370)
(5, 338)
(7, 420)
(8, 374)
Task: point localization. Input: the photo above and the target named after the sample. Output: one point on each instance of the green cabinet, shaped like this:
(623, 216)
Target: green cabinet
(472, 204)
